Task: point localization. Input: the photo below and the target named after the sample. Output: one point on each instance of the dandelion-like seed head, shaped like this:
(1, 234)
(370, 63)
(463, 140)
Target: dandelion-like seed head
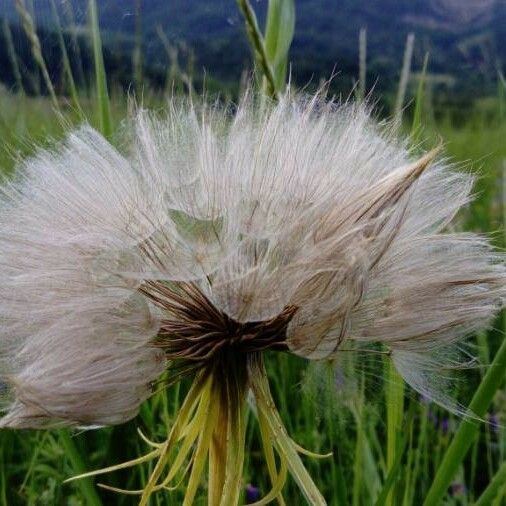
(213, 235)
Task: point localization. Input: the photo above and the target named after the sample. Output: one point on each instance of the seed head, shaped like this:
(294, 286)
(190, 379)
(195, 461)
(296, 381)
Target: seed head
(299, 227)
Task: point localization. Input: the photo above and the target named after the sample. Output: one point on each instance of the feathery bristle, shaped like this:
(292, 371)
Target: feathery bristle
(300, 204)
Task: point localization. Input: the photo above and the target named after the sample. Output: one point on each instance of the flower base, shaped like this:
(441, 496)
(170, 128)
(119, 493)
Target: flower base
(211, 427)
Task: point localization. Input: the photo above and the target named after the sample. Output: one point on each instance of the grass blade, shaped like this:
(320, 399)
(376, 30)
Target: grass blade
(403, 81)
(31, 33)
(395, 412)
(416, 127)
(362, 63)
(258, 46)
(468, 429)
(104, 110)
(78, 465)
(279, 30)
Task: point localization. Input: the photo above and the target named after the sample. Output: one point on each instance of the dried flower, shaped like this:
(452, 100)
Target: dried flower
(296, 227)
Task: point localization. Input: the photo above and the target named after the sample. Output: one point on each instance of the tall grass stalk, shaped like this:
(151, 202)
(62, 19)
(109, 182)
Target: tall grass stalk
(74, 43)
(79, 466)
(362, 63)
(31, 33)
(416, 126)
(66, 62)
(103, 103)
(358, 461)
(403, 82)
(176, 77)
(11, 53)
(137, 52)
(395, 411)
(258, 46)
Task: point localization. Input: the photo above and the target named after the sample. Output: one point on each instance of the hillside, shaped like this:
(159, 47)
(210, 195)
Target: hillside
(466, 39)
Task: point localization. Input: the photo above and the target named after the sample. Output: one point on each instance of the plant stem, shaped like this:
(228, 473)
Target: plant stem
(395, 409)
(86, 485)
(100, 75)
(257, 43)
(468, 429)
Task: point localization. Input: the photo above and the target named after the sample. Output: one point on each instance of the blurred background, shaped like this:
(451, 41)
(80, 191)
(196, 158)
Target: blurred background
(433, 67)
(153, 40)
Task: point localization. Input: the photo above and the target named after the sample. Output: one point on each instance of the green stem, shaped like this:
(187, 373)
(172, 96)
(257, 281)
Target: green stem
(100, 75)
(79, 466)
(395, 409)
(468, 429)
(257, 43)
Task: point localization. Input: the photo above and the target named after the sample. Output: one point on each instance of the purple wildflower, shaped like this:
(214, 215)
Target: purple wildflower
(252, 493)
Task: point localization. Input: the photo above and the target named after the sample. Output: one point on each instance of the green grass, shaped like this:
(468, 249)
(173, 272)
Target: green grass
(388, 445)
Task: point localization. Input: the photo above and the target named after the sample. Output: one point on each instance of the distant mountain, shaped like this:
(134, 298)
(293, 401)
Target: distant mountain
(466, 38)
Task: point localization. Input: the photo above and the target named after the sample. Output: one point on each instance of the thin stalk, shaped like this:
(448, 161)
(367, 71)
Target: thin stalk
(104, 111)
(337, 469)
(416, 127)
(403, 81)
(390, 479)
(90, 495)
(395, 408)
(362, 63)
(137, 52)
(501, 94)
(31, 33)
(11, 53)
(468, 429)
(408, 476)
(66, 61)
(474, 465)
(257, 44)
(358, 466)
(39, 442)
(70, 22)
